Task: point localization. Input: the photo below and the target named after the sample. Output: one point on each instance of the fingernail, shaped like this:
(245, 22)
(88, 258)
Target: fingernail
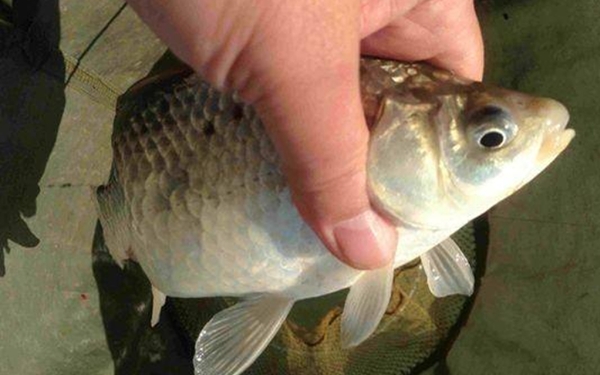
(366, 241)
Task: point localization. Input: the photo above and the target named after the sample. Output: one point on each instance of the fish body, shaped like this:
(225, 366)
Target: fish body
(197, 196)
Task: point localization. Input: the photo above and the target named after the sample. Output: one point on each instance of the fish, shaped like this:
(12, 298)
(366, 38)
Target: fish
(197, 196)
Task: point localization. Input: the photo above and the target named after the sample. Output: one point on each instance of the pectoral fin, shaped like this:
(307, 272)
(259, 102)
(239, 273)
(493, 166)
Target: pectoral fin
(365, 305)
(115, 220)
(448, 271)
(236, 336)
(158, 301)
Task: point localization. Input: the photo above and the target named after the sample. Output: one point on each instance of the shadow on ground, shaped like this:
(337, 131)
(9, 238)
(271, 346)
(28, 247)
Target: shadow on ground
(32, 102)
(126, 305)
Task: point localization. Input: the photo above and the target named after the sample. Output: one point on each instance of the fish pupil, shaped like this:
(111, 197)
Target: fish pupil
(492, 139)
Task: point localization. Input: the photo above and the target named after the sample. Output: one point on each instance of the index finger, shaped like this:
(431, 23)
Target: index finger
(443, 32)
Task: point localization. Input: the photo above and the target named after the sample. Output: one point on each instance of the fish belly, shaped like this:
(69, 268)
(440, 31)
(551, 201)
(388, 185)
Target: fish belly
(236, 247)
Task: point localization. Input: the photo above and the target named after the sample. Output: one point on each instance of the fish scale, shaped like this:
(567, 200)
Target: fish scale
(204, 173)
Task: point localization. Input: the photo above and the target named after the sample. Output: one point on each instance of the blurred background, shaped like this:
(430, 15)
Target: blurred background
(65, 308)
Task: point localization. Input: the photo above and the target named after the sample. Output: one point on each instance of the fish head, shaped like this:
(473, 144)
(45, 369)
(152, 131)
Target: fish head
(497, 140)
(444, 152)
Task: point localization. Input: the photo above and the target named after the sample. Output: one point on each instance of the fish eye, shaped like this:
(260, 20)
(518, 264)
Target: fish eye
(491, 127)
(492, 139)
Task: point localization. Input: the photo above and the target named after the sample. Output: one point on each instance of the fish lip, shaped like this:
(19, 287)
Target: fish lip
(555, 140)
(559, 135)
(557, 114)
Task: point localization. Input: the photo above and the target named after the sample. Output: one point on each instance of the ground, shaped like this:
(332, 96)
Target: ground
(536, 310)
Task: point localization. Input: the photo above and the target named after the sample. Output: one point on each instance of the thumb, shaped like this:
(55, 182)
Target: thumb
(318, 127)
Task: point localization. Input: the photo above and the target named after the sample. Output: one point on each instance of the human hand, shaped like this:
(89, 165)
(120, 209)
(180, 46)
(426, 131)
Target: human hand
(297, 62)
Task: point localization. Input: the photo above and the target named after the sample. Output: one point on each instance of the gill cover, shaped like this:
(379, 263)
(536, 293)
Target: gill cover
(404, 178)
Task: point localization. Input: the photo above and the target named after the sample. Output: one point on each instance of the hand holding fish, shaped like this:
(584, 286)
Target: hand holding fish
(297, 62)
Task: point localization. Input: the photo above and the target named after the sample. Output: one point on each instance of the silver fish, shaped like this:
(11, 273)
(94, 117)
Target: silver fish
(198, 199)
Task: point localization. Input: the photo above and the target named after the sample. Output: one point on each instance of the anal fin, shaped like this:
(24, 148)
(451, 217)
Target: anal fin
(448, 270)
(236, 336)
(366, 304)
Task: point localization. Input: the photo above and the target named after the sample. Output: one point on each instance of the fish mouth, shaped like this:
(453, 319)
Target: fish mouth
(556, 138)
